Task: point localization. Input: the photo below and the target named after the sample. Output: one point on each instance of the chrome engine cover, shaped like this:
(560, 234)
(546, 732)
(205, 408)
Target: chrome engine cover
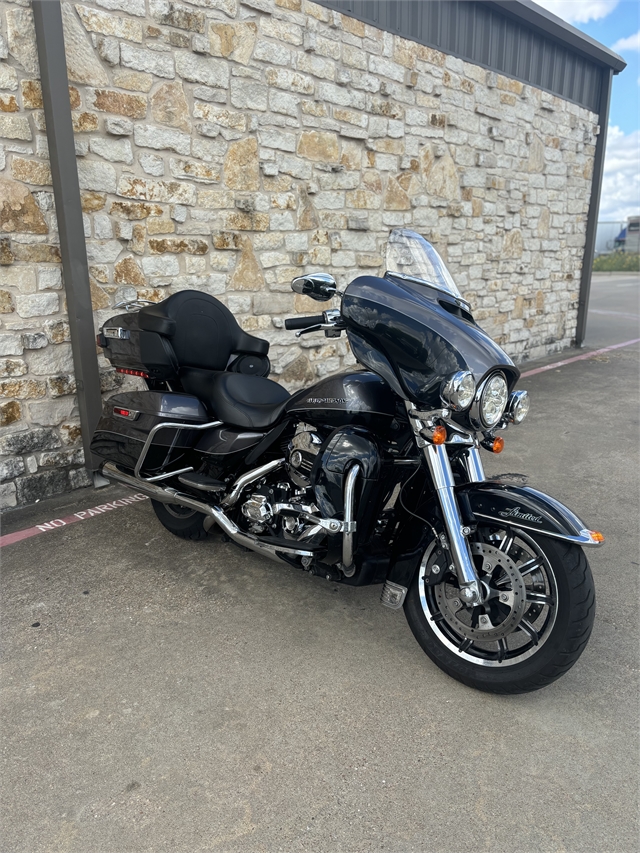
(303, 449)
(257, 509)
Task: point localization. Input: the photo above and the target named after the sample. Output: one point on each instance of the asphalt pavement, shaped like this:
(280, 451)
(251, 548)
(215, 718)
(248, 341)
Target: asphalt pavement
(614, 309)
(161, 695)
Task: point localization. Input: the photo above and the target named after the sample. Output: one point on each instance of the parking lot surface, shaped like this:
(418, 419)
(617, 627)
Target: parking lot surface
(161, 695)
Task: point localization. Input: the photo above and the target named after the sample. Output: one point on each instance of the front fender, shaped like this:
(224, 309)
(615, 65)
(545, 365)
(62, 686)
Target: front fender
(528, 509)
(490, 500)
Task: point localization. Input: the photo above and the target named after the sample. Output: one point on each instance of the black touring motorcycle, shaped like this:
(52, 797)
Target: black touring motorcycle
(370, 476)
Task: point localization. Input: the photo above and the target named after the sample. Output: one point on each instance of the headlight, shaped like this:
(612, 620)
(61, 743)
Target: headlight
(459, 390)
(518, 407)
(493, 399)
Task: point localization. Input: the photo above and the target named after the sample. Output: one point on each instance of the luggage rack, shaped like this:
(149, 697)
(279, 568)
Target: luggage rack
(132, 304)
(149, 442)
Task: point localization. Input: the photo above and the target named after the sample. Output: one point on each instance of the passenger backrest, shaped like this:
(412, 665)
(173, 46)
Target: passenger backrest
(203, 332)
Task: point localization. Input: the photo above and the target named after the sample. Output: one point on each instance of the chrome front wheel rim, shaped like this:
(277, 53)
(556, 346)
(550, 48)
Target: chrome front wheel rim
(520, 604)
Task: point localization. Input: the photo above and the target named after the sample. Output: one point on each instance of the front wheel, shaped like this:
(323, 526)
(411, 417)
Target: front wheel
(534, 622)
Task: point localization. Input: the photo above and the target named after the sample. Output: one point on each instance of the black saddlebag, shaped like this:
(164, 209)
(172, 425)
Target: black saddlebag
(128, 419)
(131, 349)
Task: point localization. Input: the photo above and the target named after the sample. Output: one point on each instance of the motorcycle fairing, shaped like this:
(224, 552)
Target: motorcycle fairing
(344, 447)
(414, 336)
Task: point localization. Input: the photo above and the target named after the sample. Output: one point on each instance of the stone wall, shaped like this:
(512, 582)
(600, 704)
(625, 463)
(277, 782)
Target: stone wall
(229, 145)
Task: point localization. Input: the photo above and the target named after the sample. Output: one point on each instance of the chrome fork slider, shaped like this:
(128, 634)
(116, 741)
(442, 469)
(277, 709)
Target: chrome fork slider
(437, 460)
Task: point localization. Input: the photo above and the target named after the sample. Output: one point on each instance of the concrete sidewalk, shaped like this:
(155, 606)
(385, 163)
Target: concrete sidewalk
(180, 696)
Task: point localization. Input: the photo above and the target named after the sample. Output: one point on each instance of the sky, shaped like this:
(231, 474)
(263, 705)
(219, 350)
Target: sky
(616, 24)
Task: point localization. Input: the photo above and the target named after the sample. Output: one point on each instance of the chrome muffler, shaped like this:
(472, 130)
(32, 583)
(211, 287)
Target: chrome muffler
(214, 514)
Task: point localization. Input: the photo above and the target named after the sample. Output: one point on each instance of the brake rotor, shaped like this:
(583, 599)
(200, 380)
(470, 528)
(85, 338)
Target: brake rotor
(505, 599)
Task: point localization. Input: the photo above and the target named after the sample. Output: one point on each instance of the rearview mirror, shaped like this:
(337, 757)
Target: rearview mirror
(318, 285)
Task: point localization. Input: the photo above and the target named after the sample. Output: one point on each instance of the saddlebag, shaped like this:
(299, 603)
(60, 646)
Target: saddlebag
(128, 419)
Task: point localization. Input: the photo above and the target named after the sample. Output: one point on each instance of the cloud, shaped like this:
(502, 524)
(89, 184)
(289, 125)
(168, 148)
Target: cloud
(577, 12)
(620, 196)
(628, 43)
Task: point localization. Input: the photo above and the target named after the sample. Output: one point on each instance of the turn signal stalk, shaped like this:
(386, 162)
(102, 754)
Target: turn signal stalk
(495, 445)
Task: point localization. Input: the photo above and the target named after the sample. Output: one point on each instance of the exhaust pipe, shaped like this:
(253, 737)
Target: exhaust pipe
(164, 494)
(168, 495)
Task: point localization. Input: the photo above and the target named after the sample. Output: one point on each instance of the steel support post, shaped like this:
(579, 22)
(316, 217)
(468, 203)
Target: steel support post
(594, 206)
(66, 190)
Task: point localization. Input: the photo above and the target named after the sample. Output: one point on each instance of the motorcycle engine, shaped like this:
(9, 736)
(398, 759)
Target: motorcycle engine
(278, 507)
(269, 505)
(303, 449)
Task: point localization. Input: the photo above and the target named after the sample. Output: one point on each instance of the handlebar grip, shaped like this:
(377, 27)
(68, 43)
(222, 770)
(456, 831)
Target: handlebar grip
(303, 322)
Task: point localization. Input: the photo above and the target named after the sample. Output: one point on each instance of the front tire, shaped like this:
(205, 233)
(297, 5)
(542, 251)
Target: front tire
(181, 521)
(534, 624)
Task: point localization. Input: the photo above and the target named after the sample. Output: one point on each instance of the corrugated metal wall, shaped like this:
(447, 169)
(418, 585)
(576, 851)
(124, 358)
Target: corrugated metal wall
(478, 33)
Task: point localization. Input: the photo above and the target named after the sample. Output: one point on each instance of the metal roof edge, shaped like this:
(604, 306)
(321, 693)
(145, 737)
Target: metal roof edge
(551, 25)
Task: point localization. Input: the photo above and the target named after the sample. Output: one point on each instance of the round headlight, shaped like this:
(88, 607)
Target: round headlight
(493, 399)
(459, 390)
(518, 407)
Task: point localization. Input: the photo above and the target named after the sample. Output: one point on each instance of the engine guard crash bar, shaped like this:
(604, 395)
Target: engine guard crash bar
(349, 526)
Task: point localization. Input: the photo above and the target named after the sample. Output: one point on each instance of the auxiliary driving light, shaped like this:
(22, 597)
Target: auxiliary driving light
(458, 390)
(518, 406)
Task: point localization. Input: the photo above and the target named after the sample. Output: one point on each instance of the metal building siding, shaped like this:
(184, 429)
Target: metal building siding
(478, 33)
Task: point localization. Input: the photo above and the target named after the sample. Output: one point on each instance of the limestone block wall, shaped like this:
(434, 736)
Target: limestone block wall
(229, 145)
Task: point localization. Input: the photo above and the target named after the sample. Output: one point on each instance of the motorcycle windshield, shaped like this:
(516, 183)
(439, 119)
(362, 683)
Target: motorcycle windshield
(410, 256)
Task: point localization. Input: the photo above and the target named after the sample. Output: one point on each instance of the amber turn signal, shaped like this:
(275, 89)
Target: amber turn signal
(497, 445)
(597, 537)
(439, 435)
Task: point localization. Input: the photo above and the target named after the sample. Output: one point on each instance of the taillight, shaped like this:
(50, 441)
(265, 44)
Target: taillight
(132, 372)
(128, 414)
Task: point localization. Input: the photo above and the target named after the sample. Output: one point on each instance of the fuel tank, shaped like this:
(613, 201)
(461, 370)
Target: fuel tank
(359, 398)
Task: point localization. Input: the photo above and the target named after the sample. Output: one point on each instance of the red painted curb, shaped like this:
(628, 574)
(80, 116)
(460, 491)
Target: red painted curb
(81, 515)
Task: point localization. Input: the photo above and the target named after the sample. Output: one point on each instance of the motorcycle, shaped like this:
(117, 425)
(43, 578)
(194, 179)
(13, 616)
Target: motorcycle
(371, 476)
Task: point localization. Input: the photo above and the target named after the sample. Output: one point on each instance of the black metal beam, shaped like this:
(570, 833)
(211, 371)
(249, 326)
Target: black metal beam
(66, 190)
(551, 25)
(594, 206)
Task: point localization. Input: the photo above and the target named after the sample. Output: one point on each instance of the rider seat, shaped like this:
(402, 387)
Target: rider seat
(204, 335)
(235, 398)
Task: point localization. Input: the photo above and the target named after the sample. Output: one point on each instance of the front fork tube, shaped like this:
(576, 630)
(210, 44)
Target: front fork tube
(473, 462)
(442, 476)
